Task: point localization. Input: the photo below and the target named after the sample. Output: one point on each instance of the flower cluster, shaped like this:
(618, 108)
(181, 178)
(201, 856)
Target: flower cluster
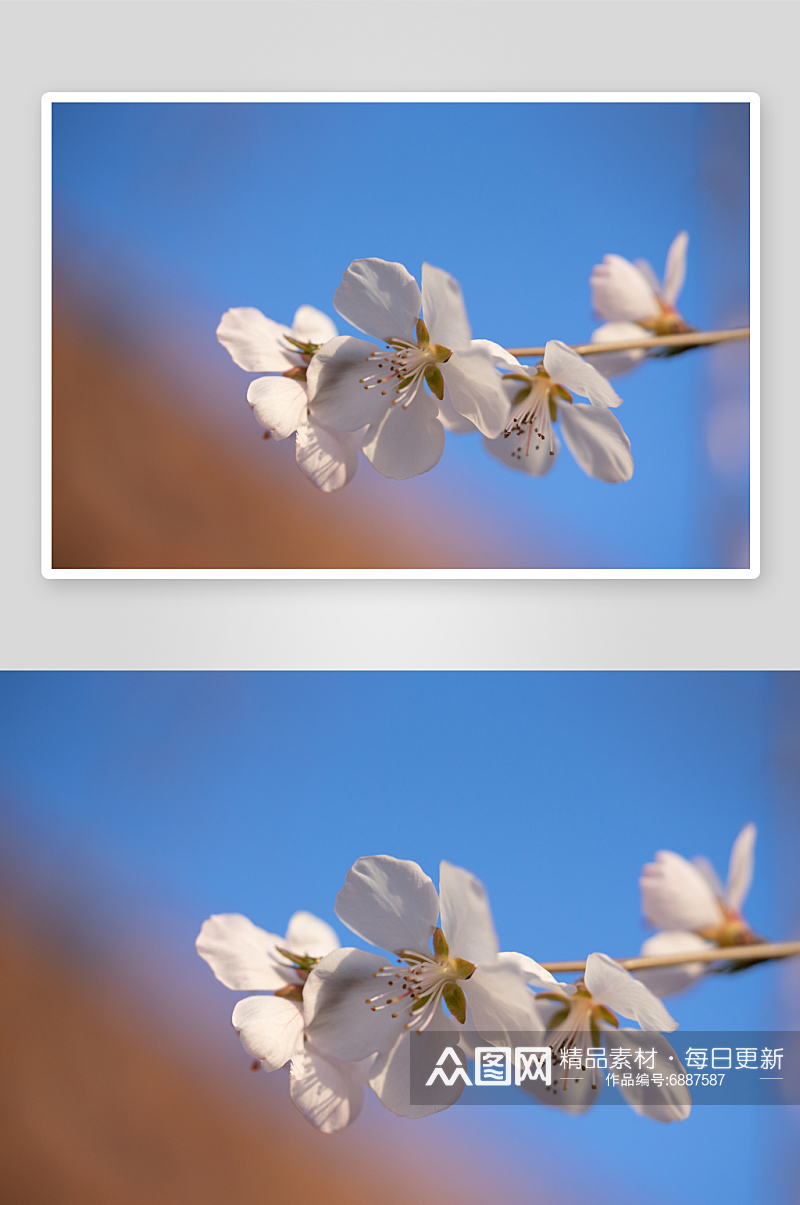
(393, 399)
(343, 1017)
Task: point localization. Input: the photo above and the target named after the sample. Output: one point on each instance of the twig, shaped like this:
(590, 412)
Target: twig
(692, 339)
(752, 953)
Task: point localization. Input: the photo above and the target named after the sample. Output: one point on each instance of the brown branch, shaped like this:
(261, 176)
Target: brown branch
(692, 339)
(752, 953)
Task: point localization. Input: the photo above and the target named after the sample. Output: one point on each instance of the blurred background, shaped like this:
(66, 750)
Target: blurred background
(165, 215)
(134, 805)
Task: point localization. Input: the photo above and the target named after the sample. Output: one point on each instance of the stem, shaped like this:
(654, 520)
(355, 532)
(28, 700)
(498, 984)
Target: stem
(752, 953)
(692, 339)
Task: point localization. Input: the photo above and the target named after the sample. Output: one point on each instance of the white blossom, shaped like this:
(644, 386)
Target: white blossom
(280, 402)
(359, 1004)
(327, 1091)
(428, 363)
(582, 1020)
(541, 396)
(693, 910)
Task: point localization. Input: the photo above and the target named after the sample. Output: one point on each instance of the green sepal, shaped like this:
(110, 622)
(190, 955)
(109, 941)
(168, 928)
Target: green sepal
(406, 381)
(440, 946)
(297, 374)
(442, 354)
(422, 333)
(293, 991)
(456, 1002)
(557, 996)
(515, 376)
(595, 1033)
(560, 1016)
(418, 1004)
(463, 968)
(553, 410)
(564, 394)
(606, 1015)
(435, 382)
(307, 349)
(300, 960)
(522, 395)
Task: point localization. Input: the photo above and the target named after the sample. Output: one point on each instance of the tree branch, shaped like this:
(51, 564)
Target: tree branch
(692, 339)
(759, 952)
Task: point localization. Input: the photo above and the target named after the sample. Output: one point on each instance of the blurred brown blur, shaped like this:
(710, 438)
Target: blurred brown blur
(94, 1110)
(142, 480)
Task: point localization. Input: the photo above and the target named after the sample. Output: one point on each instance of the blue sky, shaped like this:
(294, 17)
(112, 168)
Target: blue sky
(164, 797)
(174, 213)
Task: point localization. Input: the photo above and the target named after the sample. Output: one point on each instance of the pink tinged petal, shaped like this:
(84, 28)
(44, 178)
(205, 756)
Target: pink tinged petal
(255, 342)
(611, 984)
(336, 395)
(312, 326)
(475, 389)
(380, 298)
(466, 917)
(389, 902)
(279, 404)
(567, 368)
(666, 981)
(450, 419)
(621, 292)
(615, 363)
(328, 458)
(535, 975)
(518, 452)
(390, 1078)
(740, 868)
(443, 309)
(271, 1029)
(675, 271)
(403, 443)
(241, 955)
(675, 1099)
(327, 1092)
(309, 936)
(676, 895)
(597, 441)
(339, 1020)
(501, 1003)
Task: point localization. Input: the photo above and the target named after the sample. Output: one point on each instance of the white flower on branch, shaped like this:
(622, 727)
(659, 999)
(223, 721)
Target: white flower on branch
(693, 910)
(428, 364)
(636, 303)
(541, 396)
(280, 402)
(359, 1004)
(327, 1092)
(575, 1025)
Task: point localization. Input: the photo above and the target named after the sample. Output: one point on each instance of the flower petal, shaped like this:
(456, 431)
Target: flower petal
(279, 404)
(328, 458)
(450, 419)
(518, 451)
(611, 984)
(665, 981)
(740, 867)
(254, 341)
(340, 1021)
(498, 355)
(501, 1003)
(615, 363)
(328, 1093)
(466, 917)
(597, 441)
(270, 1027)
(675, 895)
(403, 443)
(675, 1099)
(309, 936)
(336, 395)
(567, 368)
(443, 309)
(312, 326)
(389, 902)
(476, 390)
(620, 292)
(390, 1078)
(572, 1090)
(241, 955)
(535, 975)
(380, 298)
(675, 271)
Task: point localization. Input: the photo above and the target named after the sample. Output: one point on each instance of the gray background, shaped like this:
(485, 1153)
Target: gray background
(376, 45)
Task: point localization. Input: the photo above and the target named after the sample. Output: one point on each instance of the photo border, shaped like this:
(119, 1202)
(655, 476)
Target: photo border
(750, 98)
